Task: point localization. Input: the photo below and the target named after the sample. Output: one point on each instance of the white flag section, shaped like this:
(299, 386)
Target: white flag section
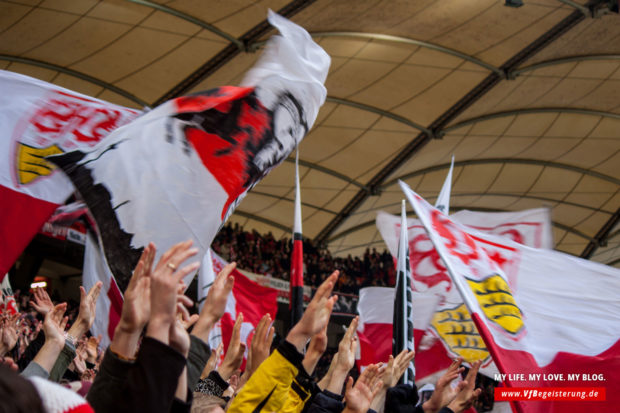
(376, 317)
(179, 171)
(436, 342)
(38, 119)
(552, 314)
(110, 302)
(443, 200)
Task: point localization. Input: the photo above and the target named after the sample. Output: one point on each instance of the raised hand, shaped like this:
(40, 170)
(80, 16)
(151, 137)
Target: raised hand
(86, 315)
(215, 303)
(53, 327)
(345, 358)
(92, 346)
(317, 314)
(165, 281)
(260, 346)
(179, 337)
(212, 361)
(359, 397)
(137, 299)
(8, 335)
(466, 395)
(396, 368)
(54, 323)
(444, 393)
(42, 301)
(234, 354)
(316, 348)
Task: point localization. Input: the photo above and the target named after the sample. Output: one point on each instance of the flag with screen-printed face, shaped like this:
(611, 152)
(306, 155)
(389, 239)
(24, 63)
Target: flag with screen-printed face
(38, 119)
(553, 318)
(179, 171)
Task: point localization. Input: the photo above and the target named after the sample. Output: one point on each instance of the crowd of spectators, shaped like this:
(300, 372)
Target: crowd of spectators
(263, 254)
(159, 359)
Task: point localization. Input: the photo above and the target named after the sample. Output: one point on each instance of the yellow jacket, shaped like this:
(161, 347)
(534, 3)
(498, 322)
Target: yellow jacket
(274, 386)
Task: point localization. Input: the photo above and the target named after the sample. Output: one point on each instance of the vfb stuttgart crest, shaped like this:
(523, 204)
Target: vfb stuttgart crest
(62, 122)
(497, 303)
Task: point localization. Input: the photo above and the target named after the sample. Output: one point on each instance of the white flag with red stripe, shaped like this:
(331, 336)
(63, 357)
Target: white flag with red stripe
(550, 314)
(38, 119)
(110, 301)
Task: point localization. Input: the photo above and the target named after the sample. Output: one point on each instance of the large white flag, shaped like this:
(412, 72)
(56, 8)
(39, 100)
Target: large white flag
(38, 119)
(551, 320)
(179, 171)
(436, 343)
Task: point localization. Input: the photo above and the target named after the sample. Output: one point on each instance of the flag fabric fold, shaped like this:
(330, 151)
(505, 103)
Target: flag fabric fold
(551, 320)
(179, 171)
(38, 119)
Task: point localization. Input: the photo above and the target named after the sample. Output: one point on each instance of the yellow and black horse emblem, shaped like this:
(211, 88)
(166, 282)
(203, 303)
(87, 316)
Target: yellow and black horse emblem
(457, 330)
(31, 163)
(497, 303)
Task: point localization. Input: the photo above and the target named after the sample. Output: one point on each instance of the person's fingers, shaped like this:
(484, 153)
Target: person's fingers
(376, 388)
(236, 332)
(241, 350)
(186, 270)
(191, 321)
(180, 257)
(63, 323)
(82, 294)
(260, 329)
(94, 292)
(269, 338)
(150, 259)
(350, 383)
(175, 249)
(325, 289)
(185, 300)
(182, 312)
(228, 268)
(473, 371)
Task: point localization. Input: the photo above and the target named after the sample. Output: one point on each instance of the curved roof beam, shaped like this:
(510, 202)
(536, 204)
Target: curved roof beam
(371, 223)
(79, 75)
(328, 171)
(192, 19)
(283, 198)
(582, 58)
(614, 262)
(528, 111)
(263, 220)
(505, 195)
(403, 40)
(584, 10)
(519, 161)
(381, 112)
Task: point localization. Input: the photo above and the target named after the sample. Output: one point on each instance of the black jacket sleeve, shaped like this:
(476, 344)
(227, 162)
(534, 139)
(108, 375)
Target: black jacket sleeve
(199, 353)
(109, 385)
(326, 402)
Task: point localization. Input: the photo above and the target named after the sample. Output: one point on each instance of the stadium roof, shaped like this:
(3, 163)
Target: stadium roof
(527, 99)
